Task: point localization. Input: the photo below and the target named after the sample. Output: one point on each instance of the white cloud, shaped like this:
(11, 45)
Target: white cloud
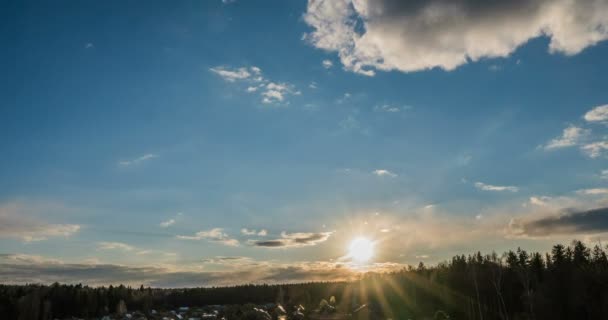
(597, 114)
(489, 187)
(327, 64)
(390, 108)
(540, 201)
(215, 235)
(593, 192)
(138, 160)
(231, 75)
(115, 246)
(571, 136)
(89, 45)
(252, 232)
(248, 232)
(384, 173)
(595, 149)
(276, 92)
(604, 174)
(313, 85)
(168, 223)
(417, 35)
(269, 91)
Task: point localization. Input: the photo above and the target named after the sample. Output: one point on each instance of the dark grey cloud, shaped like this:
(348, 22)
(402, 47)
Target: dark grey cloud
(298, 239)
(574, 222)
(371, 35)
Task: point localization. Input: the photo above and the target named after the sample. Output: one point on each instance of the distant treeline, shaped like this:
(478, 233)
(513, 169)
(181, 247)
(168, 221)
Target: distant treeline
(571, 282)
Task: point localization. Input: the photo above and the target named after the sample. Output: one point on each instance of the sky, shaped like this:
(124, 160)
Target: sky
(198, 143)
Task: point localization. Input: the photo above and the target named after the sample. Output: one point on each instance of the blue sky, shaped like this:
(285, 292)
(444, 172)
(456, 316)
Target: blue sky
(149, 135)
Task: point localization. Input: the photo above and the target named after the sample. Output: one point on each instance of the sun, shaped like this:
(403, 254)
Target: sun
(361, 249)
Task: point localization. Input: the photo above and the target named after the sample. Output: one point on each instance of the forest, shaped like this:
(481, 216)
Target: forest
(569, 282)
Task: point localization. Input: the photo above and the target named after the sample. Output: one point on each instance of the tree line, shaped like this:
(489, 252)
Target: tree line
(570, 282)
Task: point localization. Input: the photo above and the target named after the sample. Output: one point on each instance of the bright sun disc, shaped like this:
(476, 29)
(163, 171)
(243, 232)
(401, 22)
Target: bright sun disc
(361, 250)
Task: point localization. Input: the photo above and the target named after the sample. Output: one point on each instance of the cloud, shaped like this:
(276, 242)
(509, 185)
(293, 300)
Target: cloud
(167, 223)
(252, 232)
(89, 45)
(593, 192)
(124, 247)
(327, 64)
(138, 160)
(539, 201)
(215, 235)
(114, 246)
(489, 187)
(390, 108)
(408, 36)
(276, 92)
(231, 75)
(290, 240)
(578, 222)
(597, 114)
(17, 222)
(595, 149)
(21, 269)
(270, 92)
(384, 173)
(604, 174)
(571, 136)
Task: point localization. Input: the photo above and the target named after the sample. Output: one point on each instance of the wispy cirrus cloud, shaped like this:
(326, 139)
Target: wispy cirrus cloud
(270, 92)
(488, 187)
(138, 160)
(127, 248)
(115, 246)
(215, 235)
(291, 240)
(370, 35)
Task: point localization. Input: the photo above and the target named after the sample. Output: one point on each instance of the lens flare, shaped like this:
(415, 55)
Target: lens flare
(361, 250)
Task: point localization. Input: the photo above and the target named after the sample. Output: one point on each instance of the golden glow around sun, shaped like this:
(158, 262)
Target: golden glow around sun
(361, 250)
